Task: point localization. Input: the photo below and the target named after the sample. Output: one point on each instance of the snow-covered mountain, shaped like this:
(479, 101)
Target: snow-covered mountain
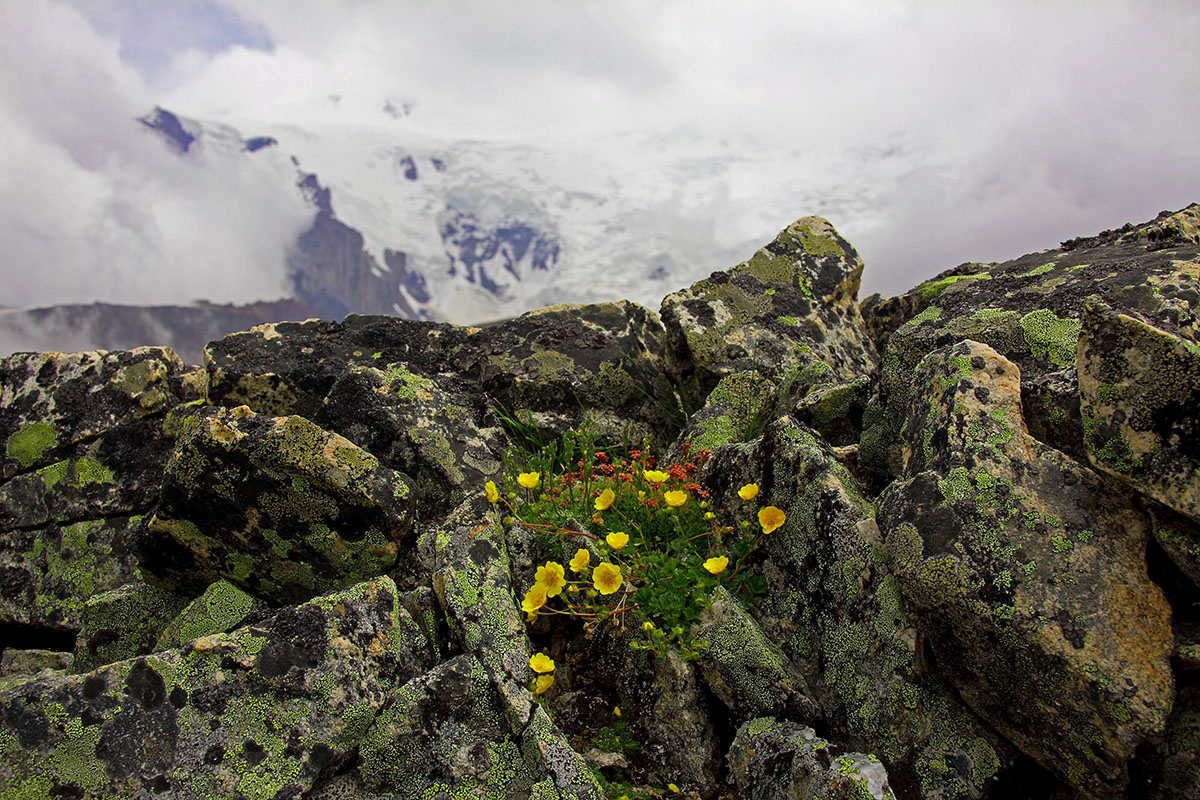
(414, 224)
(468, 231)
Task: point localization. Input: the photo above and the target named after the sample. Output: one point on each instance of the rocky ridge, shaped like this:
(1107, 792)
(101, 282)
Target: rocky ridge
(276, 575)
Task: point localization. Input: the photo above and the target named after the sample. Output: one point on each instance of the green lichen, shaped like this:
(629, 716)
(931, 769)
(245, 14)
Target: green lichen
(30, 441)
(1042, 270)
(1051, 337)
(956, 486)
(931, 289)
(403, 383)
(930, 314)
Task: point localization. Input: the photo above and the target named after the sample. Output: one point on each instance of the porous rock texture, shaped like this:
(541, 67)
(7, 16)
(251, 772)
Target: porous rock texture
(278, 576)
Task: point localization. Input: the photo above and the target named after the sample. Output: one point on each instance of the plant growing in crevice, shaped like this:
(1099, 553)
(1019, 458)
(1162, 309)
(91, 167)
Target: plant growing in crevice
(640, 546)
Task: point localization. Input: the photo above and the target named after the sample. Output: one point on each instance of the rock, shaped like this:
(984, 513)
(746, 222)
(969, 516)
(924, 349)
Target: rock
(1051, 405)
(49, 573)
(835, 609)
(276, 506)
(735, 411)
(84, 445)
(19, 666)
(835, 411)
(1170, 768)
(450, 444)
(562, 362)
(745, 669)
(123, 623)
(1028, 310)
(450, 735)
(260, 712)
(221, 608)
(1139, 396)
(1178, 536)
(288, 367)
(773, 760)
(1027, 572)
(604, 361)
(474, 587)
(788, 313)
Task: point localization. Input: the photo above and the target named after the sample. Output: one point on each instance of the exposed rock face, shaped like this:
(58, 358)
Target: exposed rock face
(790, 313)
(280, 576)
(1028, 574)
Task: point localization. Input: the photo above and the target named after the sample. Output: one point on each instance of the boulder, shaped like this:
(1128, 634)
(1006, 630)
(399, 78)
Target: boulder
(558, 363)
(834, 608)
(86, 437)
(774, 760)
(789, 313)
(1027, 573)
(425, 428)
(260, 712)
(1139, 397)
(276, 506)
(1029, 310)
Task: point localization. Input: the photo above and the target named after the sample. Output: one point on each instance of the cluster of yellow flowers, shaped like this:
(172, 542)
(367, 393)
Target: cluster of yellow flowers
(543, 667)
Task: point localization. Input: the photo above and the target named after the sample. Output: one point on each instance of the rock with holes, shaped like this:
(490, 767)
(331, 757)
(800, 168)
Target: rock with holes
(778, 760)
(276, 506)
(1028, 310)
(834, 608)
(260, 712)
(1027, 572)
(789, 313)
(1139, 395)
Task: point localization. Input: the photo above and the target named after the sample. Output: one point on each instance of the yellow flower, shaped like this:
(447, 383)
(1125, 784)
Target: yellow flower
(709, 515)
(749, 491)
(550, 577)
(673, 788)
(541, 663)
(717, 564)
(606, 578)
(617, 539)
(529, 479)
(605, 500)
(535, 598)
(647, 625)
(542, 683)
(770, 518)
(581, 560)
(493, 494)
(675, 498)
(654, 476)
(616, 711)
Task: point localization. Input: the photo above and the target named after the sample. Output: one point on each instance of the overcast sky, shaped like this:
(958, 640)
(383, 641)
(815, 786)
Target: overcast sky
(1020, 123)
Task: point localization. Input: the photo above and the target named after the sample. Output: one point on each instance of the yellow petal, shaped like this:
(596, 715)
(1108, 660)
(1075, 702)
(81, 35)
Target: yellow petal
(617, 539)
(529, 479)
(716, 564)
(605, 500)
(580, 562)
(675, 498)
(542, 683)
(771, 518)
(541, 663)
(493, 494)
(749, 491)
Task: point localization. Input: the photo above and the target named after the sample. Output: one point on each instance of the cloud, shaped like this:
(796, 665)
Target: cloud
(930, 132)
(98, 207)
